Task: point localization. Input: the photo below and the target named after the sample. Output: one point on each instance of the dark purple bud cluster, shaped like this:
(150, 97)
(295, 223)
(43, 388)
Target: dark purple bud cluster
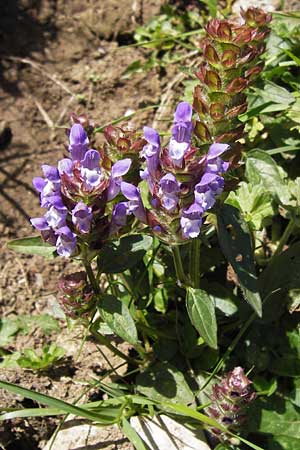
(229, 400)
(76, 295)
(76, 195)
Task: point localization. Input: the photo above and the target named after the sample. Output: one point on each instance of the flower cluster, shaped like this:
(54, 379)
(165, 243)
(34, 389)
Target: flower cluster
(229, 400)
(231, 52)
(75, 194)
(75, 295)
(183, 185)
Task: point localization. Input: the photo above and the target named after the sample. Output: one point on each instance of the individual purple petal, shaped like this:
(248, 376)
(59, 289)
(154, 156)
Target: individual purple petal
(52, 200)
(152, 136)
(50, 172)
(65, 166)
(135, 205)
(183, 127)
(193, 212)
(190, 228)
(66, 242)
(56, 217)
(169, 188)
(151, 150)
(118, 169)
(40, 223)
(205, 199)
(169, 202)
(211, 181)
(215, 164)
(145, 175)
(90, 169)
(191, 221)
(119, 217)
(177, 150)
(183, 112)
(81, 217)
(91, 160)
(78, 142)
(169, 184)
(39, 183)
(216, 150)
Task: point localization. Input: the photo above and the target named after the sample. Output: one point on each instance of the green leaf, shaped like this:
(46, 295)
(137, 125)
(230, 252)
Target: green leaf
(235, 242)
(64, 407)
(163, 382)
(253, 202)
(286, 266)
(124, 254)
(117, 316)
(132, 435)
(278, 419)
(8, 329)
(262, 169)
(201, 310)
(32, 246)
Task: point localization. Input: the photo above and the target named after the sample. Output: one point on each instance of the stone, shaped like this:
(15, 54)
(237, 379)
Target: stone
(163, 433)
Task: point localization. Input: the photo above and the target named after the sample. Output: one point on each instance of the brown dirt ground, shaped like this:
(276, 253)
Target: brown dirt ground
(57, 57)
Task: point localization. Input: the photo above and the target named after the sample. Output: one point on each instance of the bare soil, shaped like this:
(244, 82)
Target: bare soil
(57, 57)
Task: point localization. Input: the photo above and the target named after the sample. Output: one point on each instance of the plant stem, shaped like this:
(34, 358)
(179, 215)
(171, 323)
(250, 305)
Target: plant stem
(195, 262)
(104, 341)
(91, 277)
(181, 278)
(284, 238)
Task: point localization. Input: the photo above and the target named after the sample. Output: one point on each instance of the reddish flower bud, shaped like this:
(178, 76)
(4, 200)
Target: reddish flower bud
(224, 31)
(212, 80)
(202, 132)
(233, 112)
(216, 111)
(256, 17)
(210, 53)
(237, 85)
(229, 58)
(199, 104)
(253, 72)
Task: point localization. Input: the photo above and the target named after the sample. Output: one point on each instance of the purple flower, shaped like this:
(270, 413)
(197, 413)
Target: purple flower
(81, 217)
(66, 242)
(65, 166)
(181, 133)
(206, 190)
(78, 142)
(56, 217)
(135, 205)
(151, 150)
(90, 169)
(191, 221)
(168, 191)
(119, 218)
(40, 223)
(119, 169)
(177, 150)
(47, 189)
(51, 173)
(183, 127)
(215, 164)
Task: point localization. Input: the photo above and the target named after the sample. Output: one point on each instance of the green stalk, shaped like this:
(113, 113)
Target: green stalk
(194, 268)
(284, 238)
(91, 277)
(181, 277)
(104, 341)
